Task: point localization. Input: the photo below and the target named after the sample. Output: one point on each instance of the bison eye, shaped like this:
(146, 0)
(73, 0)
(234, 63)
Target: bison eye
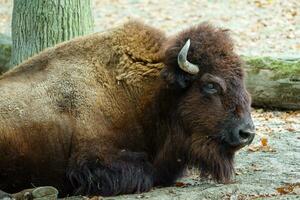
(210, 88)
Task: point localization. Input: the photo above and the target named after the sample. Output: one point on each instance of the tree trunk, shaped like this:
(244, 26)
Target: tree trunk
(5, 52)
(38, 24)
(274, 83)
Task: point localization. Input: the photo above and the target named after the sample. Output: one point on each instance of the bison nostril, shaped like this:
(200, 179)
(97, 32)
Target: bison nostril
(241, 137)
(244, 134)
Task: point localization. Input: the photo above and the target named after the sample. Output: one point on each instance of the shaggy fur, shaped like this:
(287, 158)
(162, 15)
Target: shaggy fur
(112, 113)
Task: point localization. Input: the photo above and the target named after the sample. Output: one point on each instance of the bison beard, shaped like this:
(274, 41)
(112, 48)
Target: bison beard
(122, 111)
(212, 159)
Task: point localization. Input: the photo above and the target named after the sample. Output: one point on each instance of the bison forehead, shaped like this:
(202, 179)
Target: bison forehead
(211, 49)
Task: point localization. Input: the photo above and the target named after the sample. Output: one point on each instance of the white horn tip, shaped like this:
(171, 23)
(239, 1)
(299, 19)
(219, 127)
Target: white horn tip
(188, 43)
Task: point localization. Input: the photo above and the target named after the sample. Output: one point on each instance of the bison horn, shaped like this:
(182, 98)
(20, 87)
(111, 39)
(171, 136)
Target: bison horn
(183, 63)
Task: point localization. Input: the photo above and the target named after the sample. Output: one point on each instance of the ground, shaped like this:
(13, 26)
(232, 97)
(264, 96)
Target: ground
(270, 167)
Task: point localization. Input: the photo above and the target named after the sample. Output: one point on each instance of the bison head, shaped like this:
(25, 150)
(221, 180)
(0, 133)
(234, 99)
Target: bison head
(214, 107)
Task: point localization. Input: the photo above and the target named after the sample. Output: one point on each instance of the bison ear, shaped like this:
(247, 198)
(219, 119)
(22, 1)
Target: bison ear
(176, 78)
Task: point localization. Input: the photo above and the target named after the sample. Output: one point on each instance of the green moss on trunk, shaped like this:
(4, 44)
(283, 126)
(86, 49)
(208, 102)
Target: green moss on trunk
(273, 83)
(280, 67)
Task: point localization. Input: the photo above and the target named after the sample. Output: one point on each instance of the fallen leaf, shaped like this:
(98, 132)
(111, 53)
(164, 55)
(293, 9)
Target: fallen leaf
(181, 184)
(264, 141)
(296, 191)
(261, 148)
(290, 129)
(238, 173)
(253, 148)
(289, 188)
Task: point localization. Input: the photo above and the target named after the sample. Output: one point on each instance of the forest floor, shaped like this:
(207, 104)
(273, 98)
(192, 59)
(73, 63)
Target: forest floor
(259, 27)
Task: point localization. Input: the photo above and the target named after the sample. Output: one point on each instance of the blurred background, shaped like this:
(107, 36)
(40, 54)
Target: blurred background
(259, 27)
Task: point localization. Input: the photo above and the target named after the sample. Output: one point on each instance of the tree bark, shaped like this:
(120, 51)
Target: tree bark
(5, 52)
(274, 83)
(38, 24)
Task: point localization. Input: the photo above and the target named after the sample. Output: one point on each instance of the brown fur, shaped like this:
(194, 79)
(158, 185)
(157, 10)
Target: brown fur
(93, 116)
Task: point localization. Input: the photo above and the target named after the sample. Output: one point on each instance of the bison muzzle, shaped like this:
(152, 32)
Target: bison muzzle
(124, 110)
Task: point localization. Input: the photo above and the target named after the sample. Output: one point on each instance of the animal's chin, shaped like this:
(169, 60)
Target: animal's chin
(233, 148)
(214, 160)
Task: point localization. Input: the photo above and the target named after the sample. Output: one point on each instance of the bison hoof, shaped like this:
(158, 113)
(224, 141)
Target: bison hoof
(5, 196)
(130, 173)
(39, 193)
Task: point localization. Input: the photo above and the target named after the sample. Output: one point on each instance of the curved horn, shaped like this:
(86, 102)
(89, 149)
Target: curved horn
(183, 63)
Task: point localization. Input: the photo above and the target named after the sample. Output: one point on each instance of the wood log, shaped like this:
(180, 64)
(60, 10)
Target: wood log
(273, 83)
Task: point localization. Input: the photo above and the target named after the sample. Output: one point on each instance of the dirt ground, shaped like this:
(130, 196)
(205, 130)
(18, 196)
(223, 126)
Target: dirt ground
(259, 27)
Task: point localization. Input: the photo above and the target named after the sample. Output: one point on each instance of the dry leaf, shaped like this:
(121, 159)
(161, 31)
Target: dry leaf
(289, 188)
(290, 129)
(181, 184)
(261, 148)
(253, 148)
(264, 141)
(238, 173)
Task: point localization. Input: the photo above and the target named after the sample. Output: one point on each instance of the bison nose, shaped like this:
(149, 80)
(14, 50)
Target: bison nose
(246, 136)
(241, 137)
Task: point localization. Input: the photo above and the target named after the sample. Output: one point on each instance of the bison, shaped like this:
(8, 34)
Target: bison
(123, 111)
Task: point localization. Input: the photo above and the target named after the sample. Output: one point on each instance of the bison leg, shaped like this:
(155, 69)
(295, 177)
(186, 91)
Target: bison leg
(128, 173)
